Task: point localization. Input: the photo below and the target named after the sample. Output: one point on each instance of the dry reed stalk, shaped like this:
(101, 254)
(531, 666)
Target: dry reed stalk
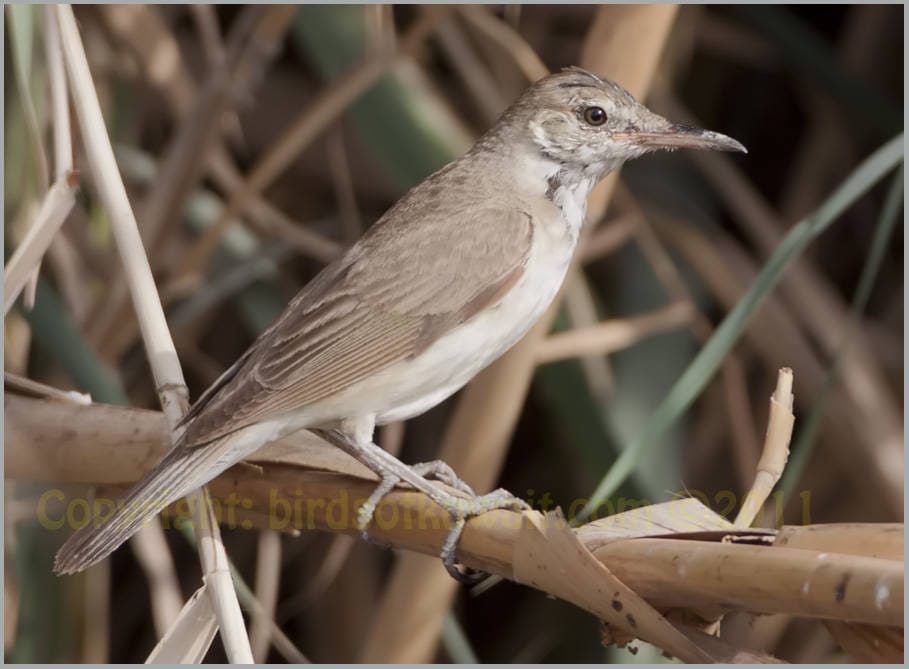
(206, 21)
(150, 548)
(197, 137)
(580, 303)
(142, 29)
(21, 272)
(268, 581)
(548, 541)
(614, 334)
(17, 340)
(60, 121)
(881, 540)
(187, 640)
(776, 450)
(33, 130)
(864, 643)
(702, 571)
(165, 366)
(26, 260)
(96, 615)
(419, 593)
(868, 643)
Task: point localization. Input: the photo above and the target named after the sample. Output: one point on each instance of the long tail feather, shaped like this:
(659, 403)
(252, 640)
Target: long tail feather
(182, 470)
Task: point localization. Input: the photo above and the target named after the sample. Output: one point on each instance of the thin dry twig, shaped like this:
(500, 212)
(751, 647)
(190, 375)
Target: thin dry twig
(162, 356)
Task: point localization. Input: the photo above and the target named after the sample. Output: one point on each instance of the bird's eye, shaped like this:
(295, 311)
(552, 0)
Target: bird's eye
(595, 115)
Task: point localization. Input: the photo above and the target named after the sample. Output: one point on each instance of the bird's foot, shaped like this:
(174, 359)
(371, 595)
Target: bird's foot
(436, 469)
(392, 471)
(478, 505)
(461, 509)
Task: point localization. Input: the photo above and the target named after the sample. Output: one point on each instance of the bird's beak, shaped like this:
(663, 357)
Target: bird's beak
(678, 136)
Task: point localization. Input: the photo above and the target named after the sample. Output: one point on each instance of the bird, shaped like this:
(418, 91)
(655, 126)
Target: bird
(444, 283)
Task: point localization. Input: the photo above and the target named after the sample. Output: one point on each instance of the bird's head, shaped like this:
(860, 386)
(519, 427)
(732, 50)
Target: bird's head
(593, 125)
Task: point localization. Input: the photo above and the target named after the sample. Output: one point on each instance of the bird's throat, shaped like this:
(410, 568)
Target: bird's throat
(569, 193)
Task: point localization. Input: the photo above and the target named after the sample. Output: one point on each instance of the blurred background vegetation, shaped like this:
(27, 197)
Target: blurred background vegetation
(203, 116)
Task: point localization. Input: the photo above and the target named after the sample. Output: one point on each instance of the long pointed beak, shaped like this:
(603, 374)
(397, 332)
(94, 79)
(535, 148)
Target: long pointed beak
(678, 136)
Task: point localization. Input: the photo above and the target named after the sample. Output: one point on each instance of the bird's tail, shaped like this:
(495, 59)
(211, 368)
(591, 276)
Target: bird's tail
(182, 470)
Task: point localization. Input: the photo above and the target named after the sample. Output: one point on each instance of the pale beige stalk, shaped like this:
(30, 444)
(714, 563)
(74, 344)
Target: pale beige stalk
(159, 345)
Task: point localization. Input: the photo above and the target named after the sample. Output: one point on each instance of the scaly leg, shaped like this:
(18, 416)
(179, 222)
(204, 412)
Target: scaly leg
(392, 471)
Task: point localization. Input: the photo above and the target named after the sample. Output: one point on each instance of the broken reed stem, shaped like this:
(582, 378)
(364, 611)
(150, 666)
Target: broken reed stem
(776, 449)
(159, 345)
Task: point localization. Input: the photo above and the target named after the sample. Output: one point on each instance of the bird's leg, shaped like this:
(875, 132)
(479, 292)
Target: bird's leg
(392, 471)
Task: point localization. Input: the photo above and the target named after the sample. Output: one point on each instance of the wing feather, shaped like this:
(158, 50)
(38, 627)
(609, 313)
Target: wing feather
(357, 318)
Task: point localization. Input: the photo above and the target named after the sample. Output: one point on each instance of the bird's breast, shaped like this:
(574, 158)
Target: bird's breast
(413, 386)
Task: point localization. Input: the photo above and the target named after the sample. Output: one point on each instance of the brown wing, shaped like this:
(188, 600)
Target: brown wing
(429, 269)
